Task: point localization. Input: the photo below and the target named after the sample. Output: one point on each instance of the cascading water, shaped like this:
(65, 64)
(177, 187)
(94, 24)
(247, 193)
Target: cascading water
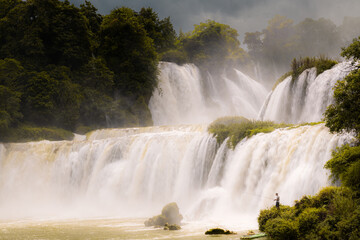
(184, 97)
(134, 172)
(306, 98)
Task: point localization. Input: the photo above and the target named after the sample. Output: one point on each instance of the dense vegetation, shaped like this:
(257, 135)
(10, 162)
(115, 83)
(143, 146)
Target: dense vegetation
(71, 67)
(334, 213)
(238, 128)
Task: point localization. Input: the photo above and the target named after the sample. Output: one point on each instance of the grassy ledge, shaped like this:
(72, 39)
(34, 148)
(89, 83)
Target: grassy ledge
(238, 128)
(27, 133)
(321, 64)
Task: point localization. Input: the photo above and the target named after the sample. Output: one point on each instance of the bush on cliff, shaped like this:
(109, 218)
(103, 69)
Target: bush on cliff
(238, 128)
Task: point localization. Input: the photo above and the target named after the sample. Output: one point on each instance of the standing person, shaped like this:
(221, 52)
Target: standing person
(277, 199)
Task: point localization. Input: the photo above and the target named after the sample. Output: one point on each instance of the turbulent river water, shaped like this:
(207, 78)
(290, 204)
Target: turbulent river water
(127, 174)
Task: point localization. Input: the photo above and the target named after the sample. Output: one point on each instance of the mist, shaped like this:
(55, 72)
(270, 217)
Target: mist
(243, 15)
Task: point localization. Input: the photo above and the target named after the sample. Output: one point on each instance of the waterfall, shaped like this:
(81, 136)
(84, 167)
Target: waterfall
(185, 97)
(134, 172)
(306, 98)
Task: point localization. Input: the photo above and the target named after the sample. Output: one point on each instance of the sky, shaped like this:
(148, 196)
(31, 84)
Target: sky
(243, 15)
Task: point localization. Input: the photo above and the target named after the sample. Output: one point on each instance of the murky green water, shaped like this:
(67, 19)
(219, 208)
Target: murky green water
(101, 229)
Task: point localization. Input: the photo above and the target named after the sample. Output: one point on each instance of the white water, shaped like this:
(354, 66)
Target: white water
(306, 99)
(134, 172)
(184, 97)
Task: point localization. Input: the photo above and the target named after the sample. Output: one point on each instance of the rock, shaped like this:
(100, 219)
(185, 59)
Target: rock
(171, 227)
(218, 231)
(170, 214)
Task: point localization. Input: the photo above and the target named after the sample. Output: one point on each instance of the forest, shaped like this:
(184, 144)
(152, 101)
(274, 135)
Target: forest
(70, 69)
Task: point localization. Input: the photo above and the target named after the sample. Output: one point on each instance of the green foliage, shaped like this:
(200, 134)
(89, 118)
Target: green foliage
(309, 218)
(175, 56)
(212, 46)
(323, 216)
(282, 229)
(40, 32)
(344, 166)
(322, 63)
(68, 67)
(299, 65)
(238, 128)
(26, 133)
(353, 50)
(344, 114)
(129, 53)
(161, 31)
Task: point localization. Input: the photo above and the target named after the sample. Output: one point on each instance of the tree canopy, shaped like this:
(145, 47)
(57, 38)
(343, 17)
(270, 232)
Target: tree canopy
(68, 66)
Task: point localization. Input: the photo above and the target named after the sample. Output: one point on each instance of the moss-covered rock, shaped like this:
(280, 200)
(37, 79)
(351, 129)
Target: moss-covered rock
(214, 231)
(170, 215)
(171, 227)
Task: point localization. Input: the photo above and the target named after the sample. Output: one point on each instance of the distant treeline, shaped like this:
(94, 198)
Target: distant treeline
(70, 67)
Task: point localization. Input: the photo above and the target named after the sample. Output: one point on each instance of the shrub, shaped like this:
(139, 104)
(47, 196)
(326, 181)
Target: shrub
(238, 128)
(321, 63)
(267, 214)
(309, 219)
(349, 226)
(344, 165)
(282, 229)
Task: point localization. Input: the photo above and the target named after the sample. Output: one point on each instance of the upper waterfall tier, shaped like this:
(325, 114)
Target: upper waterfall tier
(134, 172)
(185, 97)
(304, 99)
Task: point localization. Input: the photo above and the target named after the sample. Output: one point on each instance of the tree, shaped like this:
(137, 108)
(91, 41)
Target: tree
(42, 32)
(254, 43)
(344, 114)
(316, 37)
(213, 45)
(161, 31)
(9, 108)
(94, 21)
(352, 51)
(129, 53)
(278, 40)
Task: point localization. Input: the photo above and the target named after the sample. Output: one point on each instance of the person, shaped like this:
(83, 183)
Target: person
(277, 199)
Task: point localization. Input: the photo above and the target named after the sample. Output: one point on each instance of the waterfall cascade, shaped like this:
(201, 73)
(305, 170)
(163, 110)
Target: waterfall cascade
(184, 97)
(134, 172)
(306, 99)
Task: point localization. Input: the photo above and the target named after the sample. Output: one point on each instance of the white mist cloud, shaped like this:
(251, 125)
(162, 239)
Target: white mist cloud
(243, 15)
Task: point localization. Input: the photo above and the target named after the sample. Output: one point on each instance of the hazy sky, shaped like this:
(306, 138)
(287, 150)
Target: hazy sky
(243, 15)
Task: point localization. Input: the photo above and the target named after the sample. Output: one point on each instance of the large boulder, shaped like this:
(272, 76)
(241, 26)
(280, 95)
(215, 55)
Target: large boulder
(170, 214)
